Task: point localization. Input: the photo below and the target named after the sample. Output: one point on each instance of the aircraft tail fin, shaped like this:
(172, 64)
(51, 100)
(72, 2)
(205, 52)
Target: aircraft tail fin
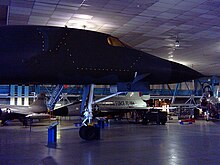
(39, 105)
(134, 94)
(40, 101)
(138, 95)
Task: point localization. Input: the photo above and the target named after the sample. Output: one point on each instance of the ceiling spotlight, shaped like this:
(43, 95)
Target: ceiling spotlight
(170, 56)
(83, 16)
(170, 59)
(171, 52)
(177, 43)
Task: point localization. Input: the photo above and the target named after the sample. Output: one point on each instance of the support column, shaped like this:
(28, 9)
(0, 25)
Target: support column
(12, 94)
(91, 93)
(174, 93)
(26, 94)
(37, 89)
(215, 86)
(19, 98)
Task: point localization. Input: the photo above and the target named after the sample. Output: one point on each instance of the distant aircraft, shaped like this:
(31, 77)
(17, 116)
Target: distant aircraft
(131, 104)
(130, 101)
(37, 110)
(121, 103)
(56, 55)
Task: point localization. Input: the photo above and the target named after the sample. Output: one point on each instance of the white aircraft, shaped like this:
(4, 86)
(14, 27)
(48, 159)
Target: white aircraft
(120, 103)
(37, 110)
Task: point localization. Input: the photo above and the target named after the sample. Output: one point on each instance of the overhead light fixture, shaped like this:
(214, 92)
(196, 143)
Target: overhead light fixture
(81, 24)
(177, 43)
(83, 16)
(84, 26)
(170, 56)
(171, 59)
(171, 52)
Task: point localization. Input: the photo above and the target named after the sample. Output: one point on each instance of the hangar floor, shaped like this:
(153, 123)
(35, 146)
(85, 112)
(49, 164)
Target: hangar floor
(120, 144)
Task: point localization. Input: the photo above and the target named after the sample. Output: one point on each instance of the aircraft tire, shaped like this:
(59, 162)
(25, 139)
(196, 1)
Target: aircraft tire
(88, 133)
(163, 122)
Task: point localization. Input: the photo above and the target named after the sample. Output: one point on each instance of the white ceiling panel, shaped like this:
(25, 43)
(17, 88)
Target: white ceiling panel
(167, 15)
(20, 10)
(48, 8)
(156, 7)
(172, 2)
(37, 18)
(184, 5)
(201, 11)
(67, 8)
(42, 13)
(48, 1)
(5, 2)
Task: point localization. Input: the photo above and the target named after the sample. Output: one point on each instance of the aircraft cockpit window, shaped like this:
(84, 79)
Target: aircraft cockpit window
(115, 42)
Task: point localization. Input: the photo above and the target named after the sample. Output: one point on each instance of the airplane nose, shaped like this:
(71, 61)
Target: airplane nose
(182, 73)
(162, 71)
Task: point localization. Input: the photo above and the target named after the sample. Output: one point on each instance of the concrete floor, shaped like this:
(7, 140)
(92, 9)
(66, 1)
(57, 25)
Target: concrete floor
(120, 144)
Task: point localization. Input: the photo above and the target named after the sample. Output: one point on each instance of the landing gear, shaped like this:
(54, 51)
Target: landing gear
(87, 131)
(207, 115)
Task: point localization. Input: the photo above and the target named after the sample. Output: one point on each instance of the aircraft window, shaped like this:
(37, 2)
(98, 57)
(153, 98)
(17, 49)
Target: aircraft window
(115, 42)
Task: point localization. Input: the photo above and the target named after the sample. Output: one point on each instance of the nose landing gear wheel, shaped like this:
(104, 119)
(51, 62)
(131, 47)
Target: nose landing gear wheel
(89, 133)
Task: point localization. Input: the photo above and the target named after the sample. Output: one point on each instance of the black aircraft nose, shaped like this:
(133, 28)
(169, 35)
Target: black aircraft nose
(181, 73)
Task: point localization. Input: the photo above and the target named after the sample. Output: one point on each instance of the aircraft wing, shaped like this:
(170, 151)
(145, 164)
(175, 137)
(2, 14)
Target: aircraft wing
(71, 109)
(23, 110)
(131, 108)
(161, 108)
(11, 106)
(38, 116)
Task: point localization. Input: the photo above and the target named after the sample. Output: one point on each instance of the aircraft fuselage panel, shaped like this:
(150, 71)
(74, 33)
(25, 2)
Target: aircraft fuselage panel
(40, 55)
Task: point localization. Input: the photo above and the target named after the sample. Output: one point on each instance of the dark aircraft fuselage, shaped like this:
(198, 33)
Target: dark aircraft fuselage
(53, 55)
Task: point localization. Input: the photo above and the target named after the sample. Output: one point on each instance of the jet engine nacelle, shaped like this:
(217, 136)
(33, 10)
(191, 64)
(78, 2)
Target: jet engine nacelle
(72, 109)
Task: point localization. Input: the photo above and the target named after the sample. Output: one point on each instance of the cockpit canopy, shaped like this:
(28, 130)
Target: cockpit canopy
(113, 41)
